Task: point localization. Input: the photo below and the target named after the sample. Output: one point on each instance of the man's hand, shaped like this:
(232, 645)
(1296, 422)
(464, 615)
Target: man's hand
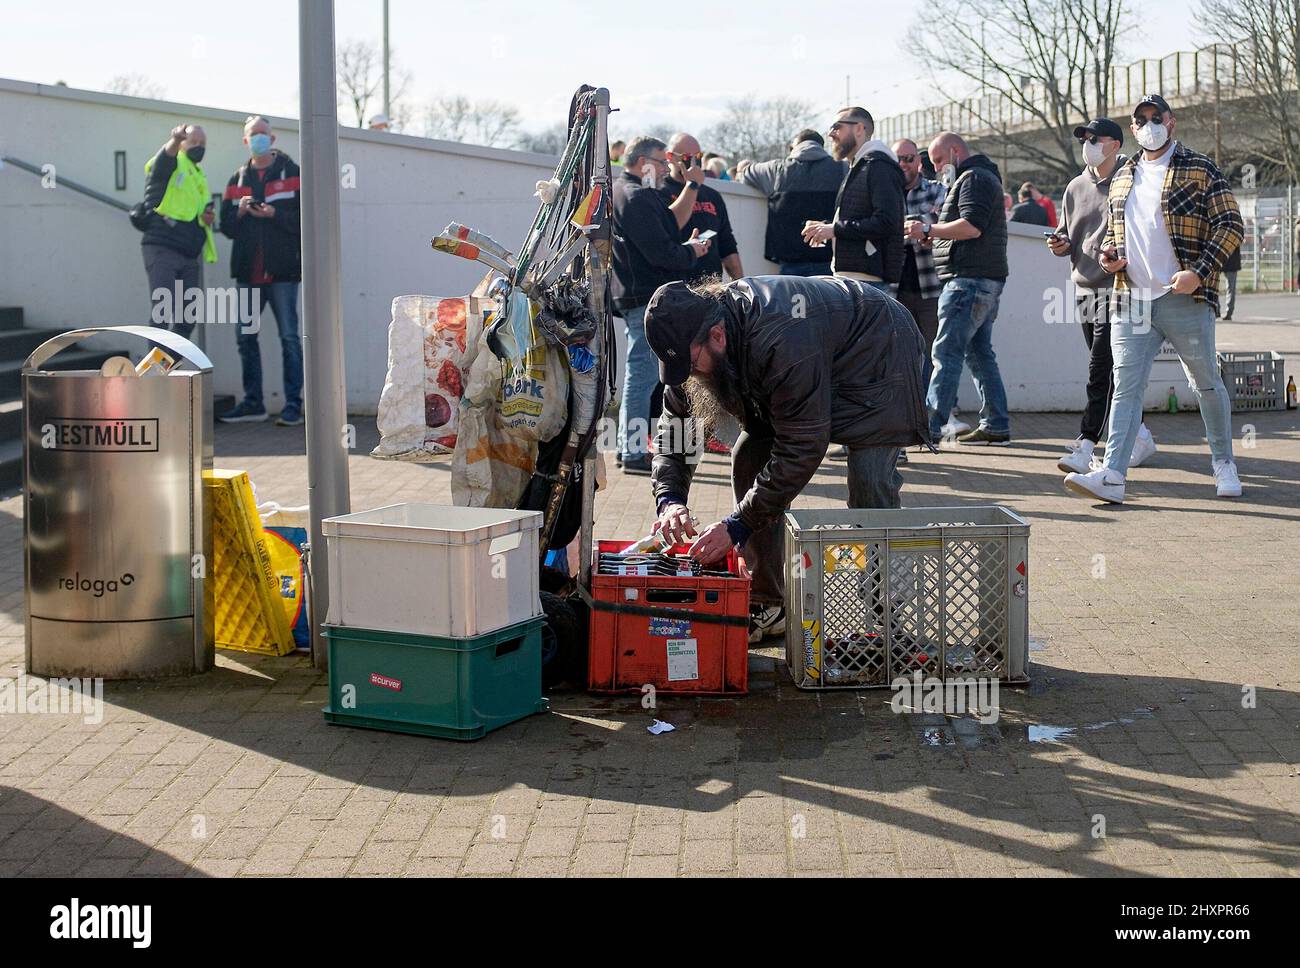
(263, 210)
(1185, 282)
(178, 133)
(818, 233)
(914, 231)
(1058, 244)
(676, 523)
(712, 545)
(698, 246)
(245, 204)
(1110, 261)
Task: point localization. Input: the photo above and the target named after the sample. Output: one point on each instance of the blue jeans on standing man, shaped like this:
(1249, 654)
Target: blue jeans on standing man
(967, 308)
(283, 297)
(640, 374)
(1137, 329)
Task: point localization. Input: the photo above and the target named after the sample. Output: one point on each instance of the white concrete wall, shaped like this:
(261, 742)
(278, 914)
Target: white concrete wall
(71, 261)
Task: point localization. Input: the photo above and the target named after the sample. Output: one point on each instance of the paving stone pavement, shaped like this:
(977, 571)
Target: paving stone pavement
(1148, 620)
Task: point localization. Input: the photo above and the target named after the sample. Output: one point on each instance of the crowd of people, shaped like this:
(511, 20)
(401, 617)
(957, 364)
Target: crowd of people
(892, 261)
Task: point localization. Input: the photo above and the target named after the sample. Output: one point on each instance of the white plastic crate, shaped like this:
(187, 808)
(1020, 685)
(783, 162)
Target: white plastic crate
(431, 569)
(874, 595)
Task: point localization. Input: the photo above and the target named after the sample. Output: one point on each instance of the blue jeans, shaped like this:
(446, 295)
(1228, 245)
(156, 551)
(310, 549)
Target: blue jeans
(805, 268)
(640, 374)
(967, 309)
(283, 297)
(1137, 329)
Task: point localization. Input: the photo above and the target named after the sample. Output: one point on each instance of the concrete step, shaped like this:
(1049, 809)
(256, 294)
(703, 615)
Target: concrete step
(11, 317)
(11, 383)
(11, 419)
(17, 344)
(11, 466)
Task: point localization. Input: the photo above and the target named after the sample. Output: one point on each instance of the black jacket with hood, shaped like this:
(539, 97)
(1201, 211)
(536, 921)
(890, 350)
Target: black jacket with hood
(819, 361)
(869, 214)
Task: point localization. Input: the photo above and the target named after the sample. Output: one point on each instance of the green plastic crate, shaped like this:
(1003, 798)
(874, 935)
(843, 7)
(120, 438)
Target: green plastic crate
(434, 686)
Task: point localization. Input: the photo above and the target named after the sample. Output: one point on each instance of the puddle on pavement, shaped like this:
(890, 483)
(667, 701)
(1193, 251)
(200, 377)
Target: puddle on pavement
(1042, 733)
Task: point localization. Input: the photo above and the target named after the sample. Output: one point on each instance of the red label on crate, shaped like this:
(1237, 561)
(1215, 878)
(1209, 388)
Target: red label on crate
(386, 682)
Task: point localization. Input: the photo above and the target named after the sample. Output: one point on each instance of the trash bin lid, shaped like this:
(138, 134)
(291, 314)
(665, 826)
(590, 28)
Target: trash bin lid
(168, 340)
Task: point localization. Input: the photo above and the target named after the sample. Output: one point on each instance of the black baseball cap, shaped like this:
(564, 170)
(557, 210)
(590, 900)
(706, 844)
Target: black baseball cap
(675, 315)
(1102, 127)
(1155, 100)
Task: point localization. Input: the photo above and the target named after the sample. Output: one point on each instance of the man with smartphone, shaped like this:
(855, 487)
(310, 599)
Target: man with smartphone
(704, 215)
(1173, 224)
(1083, 225)
(260, 213)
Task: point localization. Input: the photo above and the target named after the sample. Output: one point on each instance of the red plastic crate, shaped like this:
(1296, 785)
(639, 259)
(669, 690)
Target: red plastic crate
(677, 650)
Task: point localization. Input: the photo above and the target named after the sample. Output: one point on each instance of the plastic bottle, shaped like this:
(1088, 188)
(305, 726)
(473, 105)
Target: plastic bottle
(1290, 394)
(1173, 401)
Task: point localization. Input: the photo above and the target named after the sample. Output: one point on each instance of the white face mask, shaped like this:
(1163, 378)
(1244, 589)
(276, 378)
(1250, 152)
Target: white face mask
(1152, 135)
(650, 176)
(1093, 154)
(948, 175)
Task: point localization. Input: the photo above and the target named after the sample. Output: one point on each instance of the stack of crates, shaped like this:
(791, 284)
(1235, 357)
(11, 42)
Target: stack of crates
(680, 634)
(877, 595)
(1255, 381)
(435, 623)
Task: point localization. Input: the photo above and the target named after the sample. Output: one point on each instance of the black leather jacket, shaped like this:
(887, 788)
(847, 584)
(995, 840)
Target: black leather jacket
(820, 361)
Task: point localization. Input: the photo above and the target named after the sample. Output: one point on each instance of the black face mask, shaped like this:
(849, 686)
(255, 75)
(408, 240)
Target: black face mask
(195, 154)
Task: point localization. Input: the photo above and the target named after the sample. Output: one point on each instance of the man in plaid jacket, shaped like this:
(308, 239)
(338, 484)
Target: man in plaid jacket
(1173, 224)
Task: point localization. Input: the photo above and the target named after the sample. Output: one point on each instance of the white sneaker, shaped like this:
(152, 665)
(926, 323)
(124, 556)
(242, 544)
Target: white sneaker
(1143, 448)
(955, 425)
(1101, 483)
(1079, 459)
(766, 623)
(1226, 481)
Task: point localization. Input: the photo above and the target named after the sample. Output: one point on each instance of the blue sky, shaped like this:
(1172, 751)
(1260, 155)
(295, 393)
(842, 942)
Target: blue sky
(659, 69)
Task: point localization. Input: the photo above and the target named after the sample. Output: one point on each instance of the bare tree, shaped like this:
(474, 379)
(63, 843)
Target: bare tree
(1047, 63)
(549, 141)
(135, 85)
(360, 67)
(457, 118)
(758, 130)
(1266, 35)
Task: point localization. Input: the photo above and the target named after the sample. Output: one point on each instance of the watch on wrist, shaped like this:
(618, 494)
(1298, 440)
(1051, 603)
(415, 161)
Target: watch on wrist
(926, 230)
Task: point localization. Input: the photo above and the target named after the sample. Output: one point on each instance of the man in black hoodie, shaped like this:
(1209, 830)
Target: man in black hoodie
(970, 254)
(867, 229)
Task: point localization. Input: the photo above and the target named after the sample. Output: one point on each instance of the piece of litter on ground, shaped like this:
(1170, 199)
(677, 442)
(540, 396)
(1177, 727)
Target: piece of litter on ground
(658, 726)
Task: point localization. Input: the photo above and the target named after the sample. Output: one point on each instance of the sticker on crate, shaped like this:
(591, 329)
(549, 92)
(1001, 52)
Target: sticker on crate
(385, 682)
(847, 557)
(670, 627)
(812, 649)
(683, 660)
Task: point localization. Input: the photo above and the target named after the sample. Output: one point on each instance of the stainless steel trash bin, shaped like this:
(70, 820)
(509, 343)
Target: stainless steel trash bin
(117, 529)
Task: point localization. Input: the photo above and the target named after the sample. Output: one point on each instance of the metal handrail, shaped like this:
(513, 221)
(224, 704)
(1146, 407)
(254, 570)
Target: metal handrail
(61, 182)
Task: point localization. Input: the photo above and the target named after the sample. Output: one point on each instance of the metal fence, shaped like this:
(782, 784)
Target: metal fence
(1268, 250)
(1181, 77)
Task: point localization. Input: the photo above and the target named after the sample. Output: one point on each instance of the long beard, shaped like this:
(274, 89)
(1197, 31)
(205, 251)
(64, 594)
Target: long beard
(715, 400)
(841, 152)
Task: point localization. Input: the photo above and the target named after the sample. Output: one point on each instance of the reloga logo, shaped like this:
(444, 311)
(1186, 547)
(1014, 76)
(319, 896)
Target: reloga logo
(97, 587)
(102, 922)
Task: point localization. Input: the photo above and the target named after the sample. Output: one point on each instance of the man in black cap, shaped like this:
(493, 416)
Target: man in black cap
(1084, 218)
(1173, 224)
(801, 363)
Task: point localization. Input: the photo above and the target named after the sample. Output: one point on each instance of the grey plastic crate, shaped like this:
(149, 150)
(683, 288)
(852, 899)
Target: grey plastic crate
(872, 595)
(1255, 381)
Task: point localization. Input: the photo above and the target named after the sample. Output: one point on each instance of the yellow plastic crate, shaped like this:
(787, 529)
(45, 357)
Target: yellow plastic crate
(250, 616)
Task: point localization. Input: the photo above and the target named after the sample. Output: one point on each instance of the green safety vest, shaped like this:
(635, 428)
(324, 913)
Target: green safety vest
(186, 198)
